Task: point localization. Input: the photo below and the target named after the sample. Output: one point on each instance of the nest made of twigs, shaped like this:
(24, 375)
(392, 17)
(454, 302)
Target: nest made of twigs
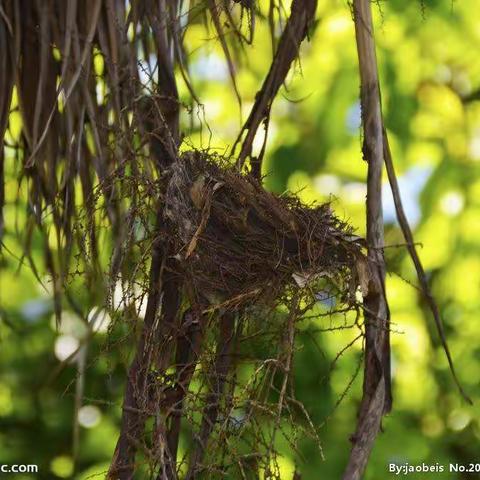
(239, 243)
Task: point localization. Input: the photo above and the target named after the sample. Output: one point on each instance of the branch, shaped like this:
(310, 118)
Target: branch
(376, 399)
(187, 352)
(221, 368)
(6, 88)
(302, 14)
(164, 294)
(133, 418)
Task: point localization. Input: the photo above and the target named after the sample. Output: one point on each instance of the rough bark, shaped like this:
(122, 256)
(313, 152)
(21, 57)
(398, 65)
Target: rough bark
(377, 398)
(163, 298)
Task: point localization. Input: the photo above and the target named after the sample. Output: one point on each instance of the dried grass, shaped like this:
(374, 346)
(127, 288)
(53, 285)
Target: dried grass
(239, 244)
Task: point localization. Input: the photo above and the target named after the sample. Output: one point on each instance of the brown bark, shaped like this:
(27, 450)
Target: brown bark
(163, 298)
(135, 410)
(377, 398)
(296, 30)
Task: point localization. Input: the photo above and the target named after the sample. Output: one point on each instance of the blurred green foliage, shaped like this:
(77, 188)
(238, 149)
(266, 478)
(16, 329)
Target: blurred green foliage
(430, 71)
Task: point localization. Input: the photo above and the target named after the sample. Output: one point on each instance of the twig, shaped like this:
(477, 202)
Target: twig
(221, 368)
(422, 278)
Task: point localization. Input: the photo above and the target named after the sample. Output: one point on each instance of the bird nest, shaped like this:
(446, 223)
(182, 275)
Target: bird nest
(239, 244)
